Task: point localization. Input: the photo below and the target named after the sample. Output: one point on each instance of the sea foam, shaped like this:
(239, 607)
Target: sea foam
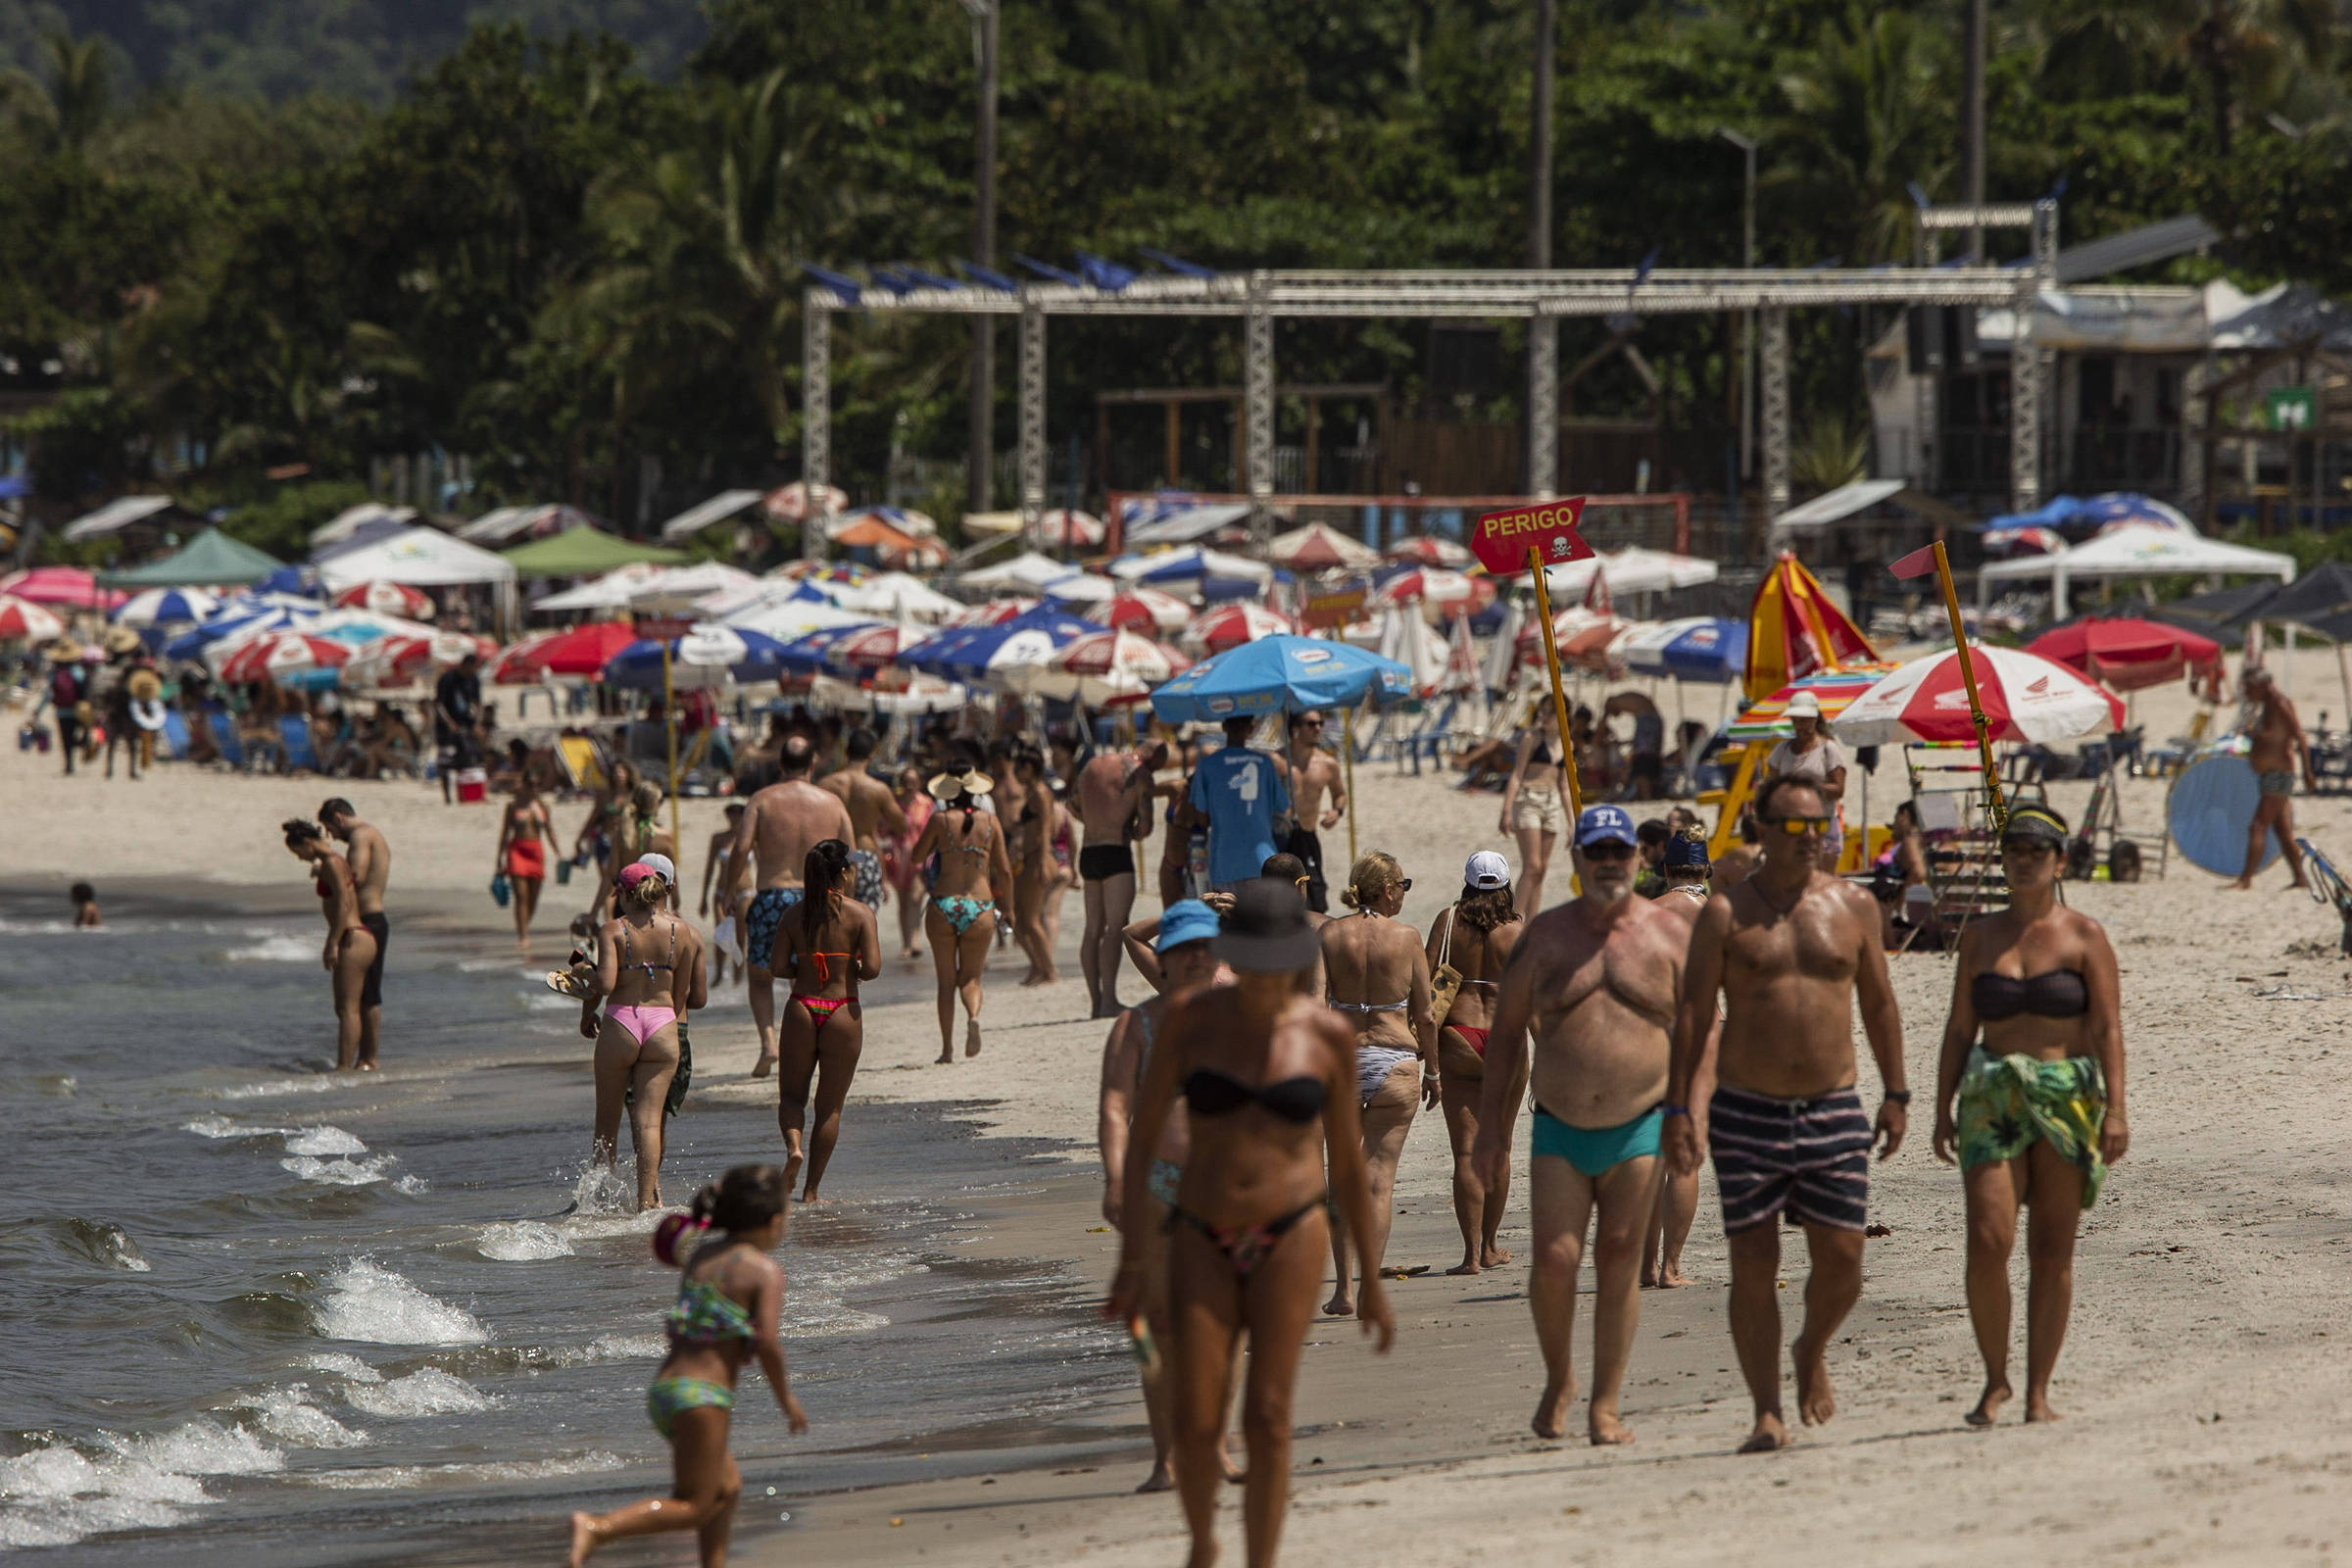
(368, 1302)
(322, 1140)
(428, 1391)
(522, 1240)
(276, 950)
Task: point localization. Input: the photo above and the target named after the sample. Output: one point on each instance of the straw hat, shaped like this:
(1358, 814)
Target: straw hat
(956, 785)
(121, 639)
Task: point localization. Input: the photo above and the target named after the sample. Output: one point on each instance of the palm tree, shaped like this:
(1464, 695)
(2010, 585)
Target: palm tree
(63, 111)
(704, 245)
(2244, 49)
(1871, 104)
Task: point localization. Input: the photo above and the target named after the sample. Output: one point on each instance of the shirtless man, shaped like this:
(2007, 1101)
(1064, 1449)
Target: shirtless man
(1312, 773)
(873, 809)
(780, 825)
(371, 860)
(1685, 870)
(726, 937)
(2277, 753)
(1788, 948)
(1596, 979)
(1109, 790)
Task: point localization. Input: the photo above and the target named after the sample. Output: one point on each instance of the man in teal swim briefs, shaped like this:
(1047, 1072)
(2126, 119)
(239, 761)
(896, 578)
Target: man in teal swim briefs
(1596, 981)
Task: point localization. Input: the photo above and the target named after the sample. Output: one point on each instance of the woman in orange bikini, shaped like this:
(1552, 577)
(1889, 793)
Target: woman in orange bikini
(649, 971)
(521, 853)
(1475, 937)
(827, 949)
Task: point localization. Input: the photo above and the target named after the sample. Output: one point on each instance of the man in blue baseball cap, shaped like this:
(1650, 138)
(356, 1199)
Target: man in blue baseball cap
(1602, 1043)
(1185, 960)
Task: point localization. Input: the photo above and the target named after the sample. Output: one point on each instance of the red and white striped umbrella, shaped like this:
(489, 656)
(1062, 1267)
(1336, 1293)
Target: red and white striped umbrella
(1429, 551)
(281, 654)
(873, 647)
(396, 660)
(2025, 697)
(1437, 585)
(1230, 626)
(1144, 609)
(387, 599)
(1586, 639)
(1120, 651)
(23, 620)
(995, 612)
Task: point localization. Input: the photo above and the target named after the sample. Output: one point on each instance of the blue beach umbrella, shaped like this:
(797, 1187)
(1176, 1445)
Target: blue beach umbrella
(1281, 673)
(805, 655)
(706, 657)
(1709, 647)
(1025, 641)
(164, 607)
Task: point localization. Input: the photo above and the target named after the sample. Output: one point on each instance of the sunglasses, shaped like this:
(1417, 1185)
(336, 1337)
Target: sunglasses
(1609, 850)
(2027, 846)
(1796, 825)
(1311, 723)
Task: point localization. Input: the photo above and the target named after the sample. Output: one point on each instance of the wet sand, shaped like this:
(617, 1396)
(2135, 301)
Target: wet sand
(2208, 1404)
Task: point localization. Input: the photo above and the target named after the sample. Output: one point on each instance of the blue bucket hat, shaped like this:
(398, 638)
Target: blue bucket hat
(1186, 920)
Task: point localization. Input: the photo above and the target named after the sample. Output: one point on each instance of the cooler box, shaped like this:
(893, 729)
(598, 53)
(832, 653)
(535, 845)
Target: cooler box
(474, 784)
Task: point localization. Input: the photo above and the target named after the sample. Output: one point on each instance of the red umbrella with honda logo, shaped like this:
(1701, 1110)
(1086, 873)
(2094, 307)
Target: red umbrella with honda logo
(2025, 697)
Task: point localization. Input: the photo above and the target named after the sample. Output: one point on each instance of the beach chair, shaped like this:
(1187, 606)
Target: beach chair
(2161, 761)
(294, 738)
(583, 768)
(2328, 886)
(226, 739)
(176, 744)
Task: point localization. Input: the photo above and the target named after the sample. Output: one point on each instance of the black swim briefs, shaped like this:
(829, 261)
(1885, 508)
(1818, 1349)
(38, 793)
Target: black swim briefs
(372, 989)
(1097, 861)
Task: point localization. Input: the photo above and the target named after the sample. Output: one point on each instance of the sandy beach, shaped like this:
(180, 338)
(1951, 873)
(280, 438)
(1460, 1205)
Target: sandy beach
(2208, 1404)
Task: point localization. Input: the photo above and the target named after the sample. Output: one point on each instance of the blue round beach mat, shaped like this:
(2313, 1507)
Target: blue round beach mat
(2208, 809)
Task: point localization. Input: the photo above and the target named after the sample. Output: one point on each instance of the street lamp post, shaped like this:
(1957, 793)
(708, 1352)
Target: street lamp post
(979, 472)
(1747, 326)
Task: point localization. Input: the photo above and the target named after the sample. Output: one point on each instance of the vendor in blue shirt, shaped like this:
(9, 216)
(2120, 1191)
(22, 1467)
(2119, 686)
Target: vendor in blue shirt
(1241, 792)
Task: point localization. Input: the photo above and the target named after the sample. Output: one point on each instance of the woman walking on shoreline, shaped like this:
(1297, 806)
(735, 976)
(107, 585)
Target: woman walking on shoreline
(1473, 939)
(1267, 1079)
(1534, 808)
(900, 869)
(826, 947)
(961, 920)
(649, 971)
(350, 946)
(2036, 1107)
(727, 1310)
(1376, 973)
(522, 853)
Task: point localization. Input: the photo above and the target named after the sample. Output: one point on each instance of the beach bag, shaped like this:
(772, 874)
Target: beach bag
(499, 889)
(1444, 981)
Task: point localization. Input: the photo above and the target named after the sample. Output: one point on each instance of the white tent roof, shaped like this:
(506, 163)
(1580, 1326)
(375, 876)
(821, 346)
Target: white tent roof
(1180, 524)
(1028, 569)
(674, 589)
(1842, 502)
(115, 516)
(420, 558)
(795, 617)
(900, 596)
(510, 522)
(2138, 552)
(343, 525)
(693, 519)
(1632, 570)
(609, 592)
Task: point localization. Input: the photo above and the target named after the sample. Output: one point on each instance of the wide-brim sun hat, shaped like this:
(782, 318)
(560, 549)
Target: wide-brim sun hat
(956, 785)
(1267, 931)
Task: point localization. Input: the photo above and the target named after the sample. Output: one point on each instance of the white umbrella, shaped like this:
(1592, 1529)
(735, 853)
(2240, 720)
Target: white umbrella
(898, 595)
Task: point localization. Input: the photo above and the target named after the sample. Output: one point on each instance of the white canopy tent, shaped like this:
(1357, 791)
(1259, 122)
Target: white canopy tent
(418, 558)
(2134, 552)
(898, 596)
(612, 591)
(1631, 570)
(719, 508)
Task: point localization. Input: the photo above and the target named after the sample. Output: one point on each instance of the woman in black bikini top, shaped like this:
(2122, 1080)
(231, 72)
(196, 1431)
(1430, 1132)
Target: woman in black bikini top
(2035, 1108)
(1267, 1077)
(828, 944)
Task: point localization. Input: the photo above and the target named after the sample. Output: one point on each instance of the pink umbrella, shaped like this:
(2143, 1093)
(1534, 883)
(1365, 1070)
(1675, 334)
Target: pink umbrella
(21, 620)
(2025, 697)
(387, 597)
(281, 654)
(1231, 625)
(1144, 609)
(71, 586)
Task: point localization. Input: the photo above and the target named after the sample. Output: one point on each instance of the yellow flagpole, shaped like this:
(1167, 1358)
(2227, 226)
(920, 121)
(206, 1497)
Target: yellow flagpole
(1559, 697)
(1994, 803)
(1348, 765)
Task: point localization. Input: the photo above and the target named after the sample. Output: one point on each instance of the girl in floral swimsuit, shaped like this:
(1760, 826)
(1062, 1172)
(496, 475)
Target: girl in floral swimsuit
(826, 946)
(726, 1313)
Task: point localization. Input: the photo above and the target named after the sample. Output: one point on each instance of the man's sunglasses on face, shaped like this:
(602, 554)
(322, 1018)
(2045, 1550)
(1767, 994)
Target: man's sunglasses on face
(1794, 826)
(1609, 850)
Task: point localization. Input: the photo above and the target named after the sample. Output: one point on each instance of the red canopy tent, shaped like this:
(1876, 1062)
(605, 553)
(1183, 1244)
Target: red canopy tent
(2123, 653)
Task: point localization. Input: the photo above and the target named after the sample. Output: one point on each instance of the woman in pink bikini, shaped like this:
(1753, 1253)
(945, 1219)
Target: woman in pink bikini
(1474, 937)
(648, 972)
(826, 946)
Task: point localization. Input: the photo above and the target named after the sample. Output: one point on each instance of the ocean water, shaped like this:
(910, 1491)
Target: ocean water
(274, 1315)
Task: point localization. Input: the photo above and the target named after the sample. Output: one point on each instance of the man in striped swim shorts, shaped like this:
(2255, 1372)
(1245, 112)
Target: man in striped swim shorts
(1789, 948)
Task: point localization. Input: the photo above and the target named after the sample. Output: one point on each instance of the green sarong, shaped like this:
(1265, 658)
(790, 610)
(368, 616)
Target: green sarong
(2006, 1103)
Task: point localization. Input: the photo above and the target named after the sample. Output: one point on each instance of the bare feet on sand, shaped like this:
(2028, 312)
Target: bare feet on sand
(1162, 1479)
(583, 1538)
(1815, 1404)
(792, 1167)
(1667, 1277)
(971, 1037)
(1341, 1304)
(1988, 1404)
(1235, 1475)
(763, 1066)
(1769, 1435)
(1490, 1258)
(2038, 1408)
(1607, 1431)
(1551, 1411)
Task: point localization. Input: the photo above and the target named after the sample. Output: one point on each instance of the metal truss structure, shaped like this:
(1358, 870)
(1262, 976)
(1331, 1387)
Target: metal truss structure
(1261, 298)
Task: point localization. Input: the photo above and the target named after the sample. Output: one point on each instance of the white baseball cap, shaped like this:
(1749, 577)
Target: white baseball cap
(1485, 870)
(1804, 704)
